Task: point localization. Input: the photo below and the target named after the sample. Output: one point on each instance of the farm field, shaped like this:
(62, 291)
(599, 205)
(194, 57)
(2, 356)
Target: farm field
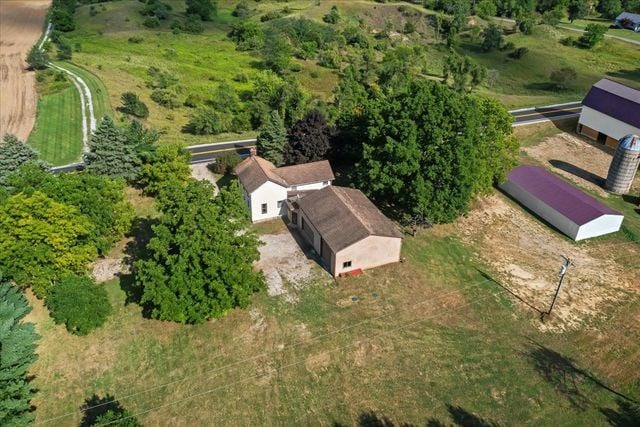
(452, 335)
(117, 48)
(21, 24)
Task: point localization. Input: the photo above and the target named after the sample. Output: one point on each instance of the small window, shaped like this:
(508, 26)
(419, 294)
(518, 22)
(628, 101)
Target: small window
(346, 264)
(325, 182)
(294, 187)
(264, 208)
(280, 202)
(302, 226)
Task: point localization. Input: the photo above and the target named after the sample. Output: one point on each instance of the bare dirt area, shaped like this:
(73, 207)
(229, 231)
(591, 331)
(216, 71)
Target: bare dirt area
(576, 160)
(21, 23)
(201, 172)
(525, 257)
(286, 266)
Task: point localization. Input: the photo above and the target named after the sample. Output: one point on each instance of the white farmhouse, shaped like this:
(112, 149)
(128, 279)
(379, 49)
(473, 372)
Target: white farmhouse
(266, 187)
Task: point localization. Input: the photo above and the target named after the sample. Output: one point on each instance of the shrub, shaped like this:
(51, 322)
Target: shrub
(508, 46)
(207, 121)
(151, 22)
(193, 100)
(241, 10)
(225, 163)
(131, 104)
(64, 49)
(37, 59)
(563, 76)
(135, 39)
(166, 98)
(568, 41)
(409, 27)
(241, 78)
(329, 59)
(193, 24)
(519, 53)
(593, 34)
(333, 16)
(79, 304)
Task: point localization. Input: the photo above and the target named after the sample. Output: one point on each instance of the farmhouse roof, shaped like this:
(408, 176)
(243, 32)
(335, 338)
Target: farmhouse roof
(572, 203)
(633, 17)
(255, 171)
(344, 216)
(615, 100)
(306, 173)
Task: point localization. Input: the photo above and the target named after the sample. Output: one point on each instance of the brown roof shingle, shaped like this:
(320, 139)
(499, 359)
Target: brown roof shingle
(344, 216)
(306, 173)
(255, 171)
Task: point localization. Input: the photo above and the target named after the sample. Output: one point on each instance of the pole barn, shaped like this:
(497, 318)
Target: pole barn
(566, 208)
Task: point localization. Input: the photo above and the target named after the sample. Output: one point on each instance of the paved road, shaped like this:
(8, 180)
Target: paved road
(208, 152)
(528, 116)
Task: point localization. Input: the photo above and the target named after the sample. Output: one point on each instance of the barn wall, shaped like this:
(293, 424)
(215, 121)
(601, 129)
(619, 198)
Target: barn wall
(372, 251)
(544, 211)
(611, 127)
(600, 226)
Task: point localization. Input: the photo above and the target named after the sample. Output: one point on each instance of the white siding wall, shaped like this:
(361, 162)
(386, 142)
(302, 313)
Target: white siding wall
(269, 193)
(600, 226)
(372, 251)
(541, 209)
(605, 124)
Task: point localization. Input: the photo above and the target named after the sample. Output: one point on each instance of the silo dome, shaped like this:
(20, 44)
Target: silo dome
(624, 165)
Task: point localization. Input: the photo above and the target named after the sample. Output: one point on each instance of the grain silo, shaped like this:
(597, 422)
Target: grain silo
(624, 165)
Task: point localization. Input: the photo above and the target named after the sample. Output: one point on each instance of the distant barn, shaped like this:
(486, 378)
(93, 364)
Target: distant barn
(609, 112)
(568, 209)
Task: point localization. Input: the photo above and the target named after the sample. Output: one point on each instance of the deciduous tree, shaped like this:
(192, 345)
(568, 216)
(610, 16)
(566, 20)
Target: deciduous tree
(170, 163)
(37, 58)
(17, 354)
(78, 303)
(577, 9)
(42, 240)
(492, 38)
(593, 34)
(200, 258)
(429, 150)
(308, 140)
(205, 9)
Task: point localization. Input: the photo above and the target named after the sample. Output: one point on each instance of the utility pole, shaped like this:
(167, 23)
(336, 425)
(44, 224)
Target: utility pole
(563, 271)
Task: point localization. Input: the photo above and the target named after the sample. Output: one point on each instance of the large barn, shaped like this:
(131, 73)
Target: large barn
(568, 209)
(609, 112)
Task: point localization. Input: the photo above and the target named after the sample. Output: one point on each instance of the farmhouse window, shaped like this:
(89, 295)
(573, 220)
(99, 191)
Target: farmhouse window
(264, 208)
(346, 264)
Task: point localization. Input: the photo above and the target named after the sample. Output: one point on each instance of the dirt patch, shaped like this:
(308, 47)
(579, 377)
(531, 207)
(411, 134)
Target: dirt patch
(201, 172)
(317, 363)
(21, 23)
(576, 160)
(108, 268)
(525, 257)
(285, 265)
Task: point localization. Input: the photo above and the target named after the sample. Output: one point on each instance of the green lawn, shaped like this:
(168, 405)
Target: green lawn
(57, 134)
(99, 92)
(433, 338)
(580, 24)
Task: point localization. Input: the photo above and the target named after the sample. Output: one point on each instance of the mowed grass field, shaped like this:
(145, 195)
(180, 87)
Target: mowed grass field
(432, 339)
(57, 134)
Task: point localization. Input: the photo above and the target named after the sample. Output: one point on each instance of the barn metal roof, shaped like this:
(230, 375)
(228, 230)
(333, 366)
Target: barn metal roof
(615, 100)
(572, 203)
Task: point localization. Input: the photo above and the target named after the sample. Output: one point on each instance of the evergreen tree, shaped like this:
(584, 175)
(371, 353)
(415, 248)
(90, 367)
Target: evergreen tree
(272, 140)
(199, 263)
(17, 354)
(13, 154)
(308, 140)
(111, 153)
(131, 104)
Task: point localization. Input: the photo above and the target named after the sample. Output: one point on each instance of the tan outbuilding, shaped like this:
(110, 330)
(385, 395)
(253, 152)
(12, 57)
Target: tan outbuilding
(345, 228)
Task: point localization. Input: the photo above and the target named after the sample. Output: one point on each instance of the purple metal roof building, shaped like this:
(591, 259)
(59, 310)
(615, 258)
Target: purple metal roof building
(609, 112)
(568, 209)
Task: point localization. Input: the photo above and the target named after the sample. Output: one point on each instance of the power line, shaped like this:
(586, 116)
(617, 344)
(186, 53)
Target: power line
(298, 362)
(257, 356)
